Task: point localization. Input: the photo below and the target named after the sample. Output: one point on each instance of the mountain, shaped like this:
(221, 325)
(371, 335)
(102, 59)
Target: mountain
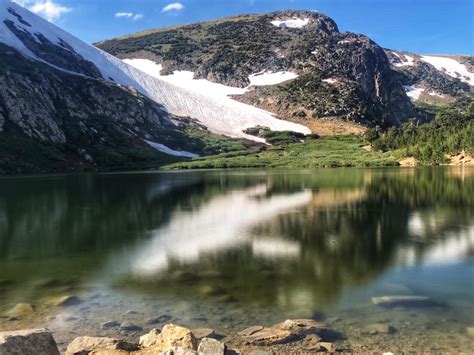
(325, 75)
(175, 93)
(66, 105)
(433, 78)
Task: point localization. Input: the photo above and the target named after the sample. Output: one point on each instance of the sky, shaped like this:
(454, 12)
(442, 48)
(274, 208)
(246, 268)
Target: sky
(421, 26)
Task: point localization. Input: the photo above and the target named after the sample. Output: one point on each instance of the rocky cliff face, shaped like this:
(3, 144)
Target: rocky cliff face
(52, 120)
(340, 75)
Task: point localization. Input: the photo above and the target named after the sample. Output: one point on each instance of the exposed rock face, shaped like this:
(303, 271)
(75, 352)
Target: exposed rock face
(60, 120)
(362, 86)
(38, 342)
(85, 345)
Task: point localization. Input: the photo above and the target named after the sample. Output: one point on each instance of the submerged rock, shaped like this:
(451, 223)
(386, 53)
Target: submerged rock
(110, 324)
(171, 336)
(379, 328)
(21, 310)
(210, 346)
(250, 330)
(85, 345)
(130, 327)
(200, 333)
(470, 331)
(159, 319)
(269, 336)
(283, 332)
(404, 301)
(37, 342)
(64, 301)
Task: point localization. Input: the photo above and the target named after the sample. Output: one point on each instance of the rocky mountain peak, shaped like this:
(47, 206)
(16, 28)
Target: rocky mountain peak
(309, 20)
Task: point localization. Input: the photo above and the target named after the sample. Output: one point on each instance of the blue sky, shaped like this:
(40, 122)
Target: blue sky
(423, 26)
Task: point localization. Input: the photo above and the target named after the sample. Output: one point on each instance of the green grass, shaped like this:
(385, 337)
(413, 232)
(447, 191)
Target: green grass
(337, 151)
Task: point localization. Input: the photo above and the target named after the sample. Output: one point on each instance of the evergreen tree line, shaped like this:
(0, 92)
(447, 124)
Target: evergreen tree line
(451, 131)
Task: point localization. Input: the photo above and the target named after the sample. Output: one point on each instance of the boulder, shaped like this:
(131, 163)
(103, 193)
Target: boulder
(37, 341)
(85, 345)
(171, 336)
(404, 301)
(379, 328)
(210, 346)
(150, 339)
(110, 352)
(300, 327)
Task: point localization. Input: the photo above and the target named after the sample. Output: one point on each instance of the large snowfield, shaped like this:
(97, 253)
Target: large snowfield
(451, 67)
(211, 107)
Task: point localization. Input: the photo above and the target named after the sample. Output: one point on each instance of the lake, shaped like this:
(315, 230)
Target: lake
(230, 249)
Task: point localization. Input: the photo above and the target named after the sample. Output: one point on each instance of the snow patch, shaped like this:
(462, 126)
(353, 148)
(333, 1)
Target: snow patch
(213, 109)
(164, 149)
(412, 92)
(451, 67)
(185, 79)
(266, 78)
(295, 22)
(405, 60)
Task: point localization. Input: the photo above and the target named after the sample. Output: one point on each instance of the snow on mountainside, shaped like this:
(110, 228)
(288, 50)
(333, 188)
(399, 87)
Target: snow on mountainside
(451, 67)
(227, 117)
(433, 78)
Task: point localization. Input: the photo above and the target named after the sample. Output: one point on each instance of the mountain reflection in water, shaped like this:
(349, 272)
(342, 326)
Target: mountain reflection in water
(281, 239)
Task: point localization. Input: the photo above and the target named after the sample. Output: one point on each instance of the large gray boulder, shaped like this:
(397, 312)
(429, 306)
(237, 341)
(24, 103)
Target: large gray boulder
(32, 341)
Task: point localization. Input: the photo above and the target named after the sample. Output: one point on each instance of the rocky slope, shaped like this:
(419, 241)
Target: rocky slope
(433, 79)
(54, 121)
(337, 75)
(67, 105)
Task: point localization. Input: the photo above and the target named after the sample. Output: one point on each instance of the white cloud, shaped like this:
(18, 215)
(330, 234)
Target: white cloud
(175, 6)
(124, 14)
(48, 9)
(129, 15)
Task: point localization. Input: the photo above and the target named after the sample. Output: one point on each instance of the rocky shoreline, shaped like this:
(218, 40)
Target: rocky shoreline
(293, 336)
(290, 336)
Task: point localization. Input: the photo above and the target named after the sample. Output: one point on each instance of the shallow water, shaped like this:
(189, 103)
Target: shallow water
(229, 249)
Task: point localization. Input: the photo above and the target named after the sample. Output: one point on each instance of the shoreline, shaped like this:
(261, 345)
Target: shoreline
(293, 336)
